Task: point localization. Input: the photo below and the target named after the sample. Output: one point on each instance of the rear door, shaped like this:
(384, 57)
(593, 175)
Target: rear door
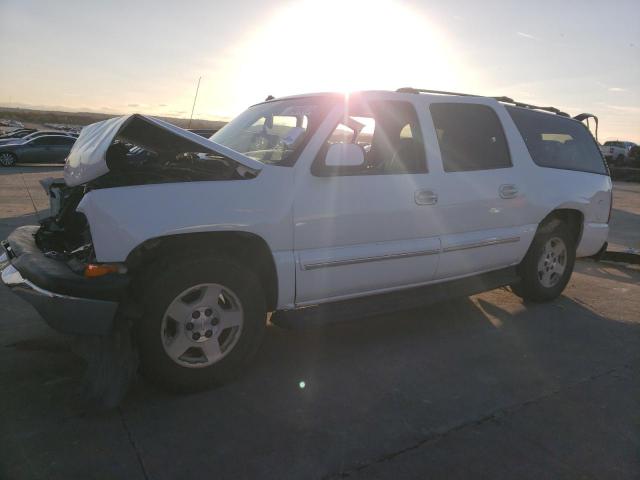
(483, 214)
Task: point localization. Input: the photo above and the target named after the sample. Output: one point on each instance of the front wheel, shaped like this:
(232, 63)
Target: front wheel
(548, 265)
(203, 321)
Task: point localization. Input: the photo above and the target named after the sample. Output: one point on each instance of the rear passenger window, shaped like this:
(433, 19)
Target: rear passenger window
(470, 137)
(558, 142)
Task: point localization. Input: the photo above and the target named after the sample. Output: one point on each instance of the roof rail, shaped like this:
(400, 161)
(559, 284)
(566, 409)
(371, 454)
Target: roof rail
(439, 92)
(499, 99)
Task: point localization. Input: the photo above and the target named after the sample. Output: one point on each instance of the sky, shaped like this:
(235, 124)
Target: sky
(123, 56)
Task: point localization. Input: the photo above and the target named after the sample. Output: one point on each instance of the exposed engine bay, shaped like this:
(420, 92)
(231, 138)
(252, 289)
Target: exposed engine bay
(65, 234)
(145, 153)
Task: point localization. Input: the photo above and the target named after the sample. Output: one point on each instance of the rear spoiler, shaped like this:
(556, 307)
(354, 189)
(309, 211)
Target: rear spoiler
(586, 116)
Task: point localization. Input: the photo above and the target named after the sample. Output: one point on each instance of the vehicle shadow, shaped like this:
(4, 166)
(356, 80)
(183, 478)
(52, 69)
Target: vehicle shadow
(316, 400)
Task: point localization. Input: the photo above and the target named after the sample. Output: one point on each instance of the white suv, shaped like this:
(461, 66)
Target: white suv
(317, 207)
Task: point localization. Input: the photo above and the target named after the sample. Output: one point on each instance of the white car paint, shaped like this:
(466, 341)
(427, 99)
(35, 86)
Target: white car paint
(347, 236)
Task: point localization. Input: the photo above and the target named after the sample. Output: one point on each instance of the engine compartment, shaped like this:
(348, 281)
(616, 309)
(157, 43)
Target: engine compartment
(65, 235)
(137, 151)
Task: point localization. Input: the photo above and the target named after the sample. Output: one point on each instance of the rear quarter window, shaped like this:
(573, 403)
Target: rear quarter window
(558, 142)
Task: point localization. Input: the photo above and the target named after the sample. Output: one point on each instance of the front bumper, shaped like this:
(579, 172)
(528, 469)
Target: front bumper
(68, 302)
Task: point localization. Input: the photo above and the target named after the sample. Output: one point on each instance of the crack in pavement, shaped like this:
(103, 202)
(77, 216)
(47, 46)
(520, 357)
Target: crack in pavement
(143, 467)
(493, 416)
(35, 210)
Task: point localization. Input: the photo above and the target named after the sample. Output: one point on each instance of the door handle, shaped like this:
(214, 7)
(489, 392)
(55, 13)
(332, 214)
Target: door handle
(425, 197)
(508, 191)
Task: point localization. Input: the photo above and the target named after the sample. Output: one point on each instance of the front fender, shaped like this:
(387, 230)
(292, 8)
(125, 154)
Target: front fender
(122, 218)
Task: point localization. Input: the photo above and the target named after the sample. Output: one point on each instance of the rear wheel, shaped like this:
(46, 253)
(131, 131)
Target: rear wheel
(7, 159)
(547, 267)
(203, 322)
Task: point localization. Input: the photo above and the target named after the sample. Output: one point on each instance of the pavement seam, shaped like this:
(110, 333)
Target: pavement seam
(35, 210)
(493, 416)
(143, 468)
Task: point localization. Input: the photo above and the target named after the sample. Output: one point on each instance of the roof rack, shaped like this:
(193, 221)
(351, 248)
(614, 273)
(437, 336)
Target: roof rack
(499, 99)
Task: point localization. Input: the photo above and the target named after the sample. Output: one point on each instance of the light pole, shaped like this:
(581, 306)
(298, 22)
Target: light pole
(194, 102)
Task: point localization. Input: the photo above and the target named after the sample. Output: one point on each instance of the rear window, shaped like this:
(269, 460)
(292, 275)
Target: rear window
(558, 142)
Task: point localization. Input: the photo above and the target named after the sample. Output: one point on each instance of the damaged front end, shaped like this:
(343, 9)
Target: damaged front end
(128, 151)
(57, 260)
(53, 265)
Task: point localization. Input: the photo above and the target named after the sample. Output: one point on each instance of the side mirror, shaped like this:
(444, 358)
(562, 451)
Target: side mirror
(342, 155)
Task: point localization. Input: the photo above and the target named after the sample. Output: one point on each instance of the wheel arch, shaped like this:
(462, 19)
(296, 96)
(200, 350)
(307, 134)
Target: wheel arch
(572, 217)
(247, 248)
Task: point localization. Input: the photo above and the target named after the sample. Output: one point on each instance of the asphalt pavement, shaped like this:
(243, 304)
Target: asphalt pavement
(479, 387)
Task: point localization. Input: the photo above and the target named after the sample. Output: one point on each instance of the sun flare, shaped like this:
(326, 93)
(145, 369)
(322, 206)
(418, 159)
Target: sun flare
(338, 45)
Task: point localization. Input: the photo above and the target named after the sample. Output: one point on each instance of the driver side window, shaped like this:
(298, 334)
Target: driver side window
(389, 134)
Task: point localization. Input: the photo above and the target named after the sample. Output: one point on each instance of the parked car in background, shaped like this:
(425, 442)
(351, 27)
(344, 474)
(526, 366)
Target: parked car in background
(36, 134)
(18, 133)
(313, 207)
(617, 151)
(41, 149)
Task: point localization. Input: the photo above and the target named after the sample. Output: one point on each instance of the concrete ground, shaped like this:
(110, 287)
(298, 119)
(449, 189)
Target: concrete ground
(480, 387)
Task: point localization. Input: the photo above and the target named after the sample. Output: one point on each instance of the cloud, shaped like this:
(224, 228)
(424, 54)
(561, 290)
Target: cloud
(624, 108)
(163, 105)
(133, 105)
(526, 35)
(617, 89)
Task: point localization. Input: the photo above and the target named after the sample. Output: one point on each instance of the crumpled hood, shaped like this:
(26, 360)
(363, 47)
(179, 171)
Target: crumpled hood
(87, 159)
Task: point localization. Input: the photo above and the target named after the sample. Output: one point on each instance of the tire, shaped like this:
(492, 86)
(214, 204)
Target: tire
(546, 268)
(8, 159)
(214, 353)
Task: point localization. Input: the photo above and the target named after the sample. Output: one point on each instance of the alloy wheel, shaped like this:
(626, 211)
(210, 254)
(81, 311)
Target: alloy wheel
(7, 159)
(202, 325)
(552, 262)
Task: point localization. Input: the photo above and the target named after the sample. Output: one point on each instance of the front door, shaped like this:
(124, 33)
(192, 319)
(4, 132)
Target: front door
(372, 228)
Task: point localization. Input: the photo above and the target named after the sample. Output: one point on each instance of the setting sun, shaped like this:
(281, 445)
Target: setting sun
(340, 46)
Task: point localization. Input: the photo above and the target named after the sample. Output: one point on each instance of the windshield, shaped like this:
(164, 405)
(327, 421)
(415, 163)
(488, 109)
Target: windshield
(273, 132)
